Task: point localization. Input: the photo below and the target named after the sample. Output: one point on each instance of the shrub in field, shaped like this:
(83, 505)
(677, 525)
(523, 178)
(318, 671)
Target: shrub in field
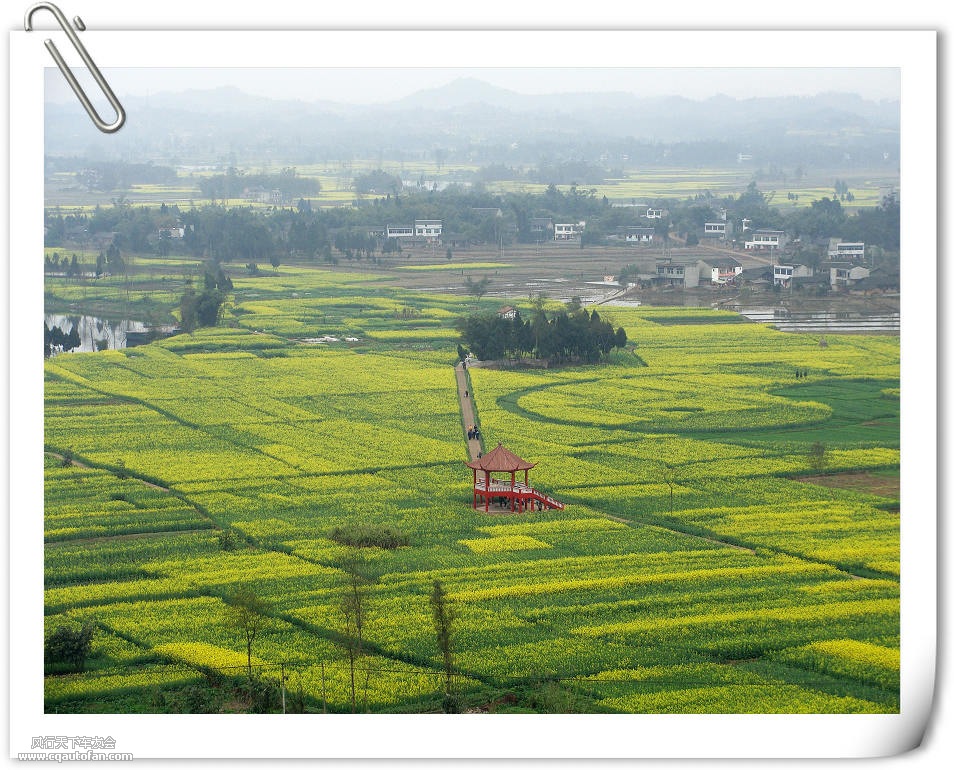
(263, 695)
(227, 540)
(193, 699)
(69, 645)
(818, 457)
(369, 536)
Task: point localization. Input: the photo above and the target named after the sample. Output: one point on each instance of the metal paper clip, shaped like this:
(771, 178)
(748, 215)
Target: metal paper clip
(101, 124)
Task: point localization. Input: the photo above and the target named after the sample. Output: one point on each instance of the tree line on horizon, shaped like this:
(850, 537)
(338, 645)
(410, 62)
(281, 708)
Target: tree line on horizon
(476, 215)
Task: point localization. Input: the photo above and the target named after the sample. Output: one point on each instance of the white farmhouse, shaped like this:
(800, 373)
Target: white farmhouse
(636, 234)
(850, 250)
(846, 276)
(782, 274)
(720, 270)
(766, 239)
(568, 231)
(717, 230)
(427, 228)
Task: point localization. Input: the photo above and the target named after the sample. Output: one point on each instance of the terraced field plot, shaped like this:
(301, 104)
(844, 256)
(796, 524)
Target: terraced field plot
(693, 570)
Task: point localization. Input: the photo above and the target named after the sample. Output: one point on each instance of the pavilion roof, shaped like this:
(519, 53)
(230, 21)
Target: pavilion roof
(500, 459)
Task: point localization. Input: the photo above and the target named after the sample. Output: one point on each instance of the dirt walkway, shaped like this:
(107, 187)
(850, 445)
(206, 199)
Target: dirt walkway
(466, 399)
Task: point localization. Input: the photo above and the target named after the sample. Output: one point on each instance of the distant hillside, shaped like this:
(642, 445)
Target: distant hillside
(470, 121)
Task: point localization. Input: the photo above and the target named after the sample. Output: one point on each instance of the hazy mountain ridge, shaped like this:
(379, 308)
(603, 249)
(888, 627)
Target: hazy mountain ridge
(468, 113)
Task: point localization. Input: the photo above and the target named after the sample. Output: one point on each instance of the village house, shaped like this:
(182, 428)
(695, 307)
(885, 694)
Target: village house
(568, 231)
(636, 234)
(399, 231)
(675, 273)
(507, 312)
(845, 275)
(423, 230)
(259, 194)
(760, 276)
(721, 230)
(720, 270)
(428, 229)
(174, 232)
(846, 250)
(782, 275)
(766, 239)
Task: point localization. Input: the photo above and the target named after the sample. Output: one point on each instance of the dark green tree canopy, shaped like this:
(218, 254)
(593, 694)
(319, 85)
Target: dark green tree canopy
(560, 337)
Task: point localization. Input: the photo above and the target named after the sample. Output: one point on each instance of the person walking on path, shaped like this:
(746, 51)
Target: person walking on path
(467, 413)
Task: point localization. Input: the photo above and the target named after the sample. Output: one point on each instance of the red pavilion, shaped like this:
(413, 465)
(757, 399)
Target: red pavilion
(519, 493)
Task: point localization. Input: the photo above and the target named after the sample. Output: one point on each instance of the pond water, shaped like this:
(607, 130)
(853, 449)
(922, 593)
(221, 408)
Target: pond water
(832, 321)
(107, 334)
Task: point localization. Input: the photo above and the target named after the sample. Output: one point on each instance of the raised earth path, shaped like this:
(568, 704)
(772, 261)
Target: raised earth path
(466, 398)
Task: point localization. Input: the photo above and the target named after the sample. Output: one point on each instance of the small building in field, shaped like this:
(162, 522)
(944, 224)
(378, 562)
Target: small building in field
(509, 312)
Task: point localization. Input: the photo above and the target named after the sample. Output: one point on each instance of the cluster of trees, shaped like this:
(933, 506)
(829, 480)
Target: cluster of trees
(566, 172)
(202, 308)
(379, 182)
(570, 334)
(69, 266)
(235, 183)
(109, 260)
(106, 175)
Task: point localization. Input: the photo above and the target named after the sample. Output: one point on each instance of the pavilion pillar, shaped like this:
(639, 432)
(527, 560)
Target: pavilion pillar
(486, 491)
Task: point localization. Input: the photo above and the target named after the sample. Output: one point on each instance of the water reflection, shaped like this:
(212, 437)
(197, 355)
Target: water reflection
(833, 321)
(107, 334)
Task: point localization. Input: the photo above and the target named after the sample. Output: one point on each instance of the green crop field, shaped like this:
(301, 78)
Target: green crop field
(696, 568)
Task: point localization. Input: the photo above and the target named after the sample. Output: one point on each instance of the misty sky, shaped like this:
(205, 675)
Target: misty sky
(375, 85)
